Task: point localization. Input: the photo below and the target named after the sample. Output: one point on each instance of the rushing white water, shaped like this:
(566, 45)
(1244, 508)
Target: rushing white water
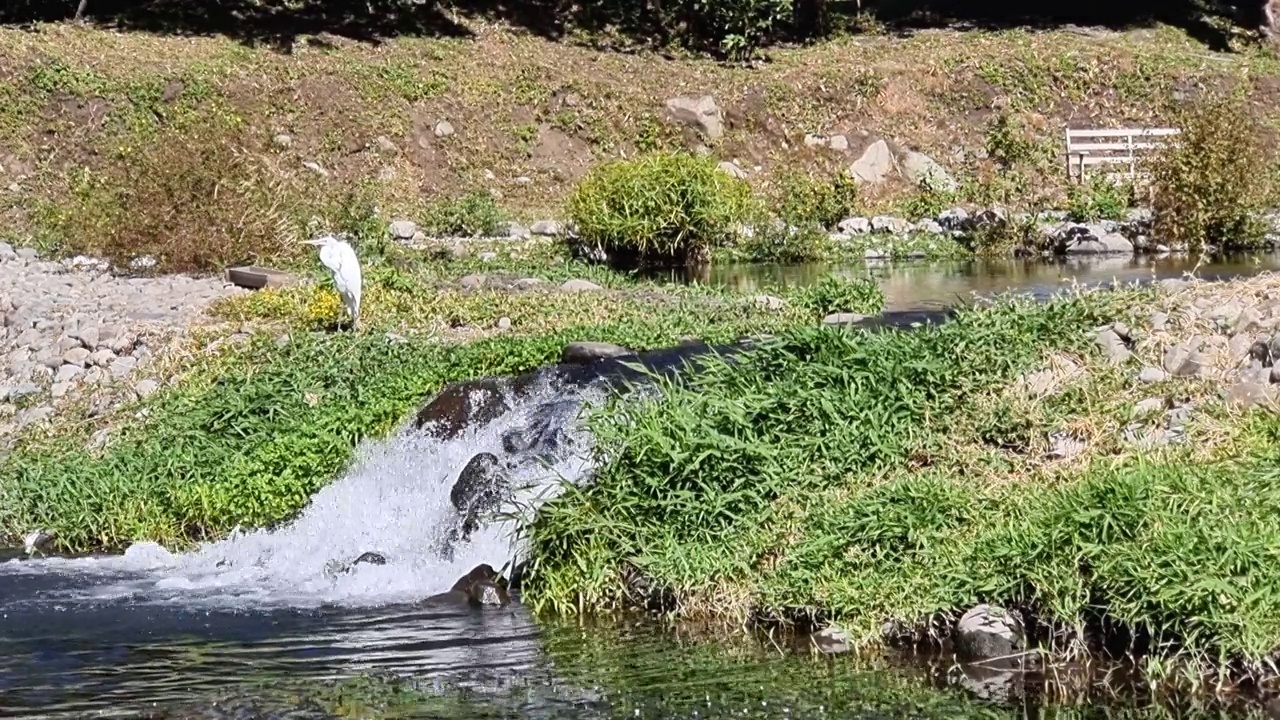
(393, 500)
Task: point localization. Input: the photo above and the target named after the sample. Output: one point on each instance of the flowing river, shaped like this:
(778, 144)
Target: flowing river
(262, 623)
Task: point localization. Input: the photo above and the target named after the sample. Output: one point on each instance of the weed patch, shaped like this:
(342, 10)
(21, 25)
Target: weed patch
(672, 207)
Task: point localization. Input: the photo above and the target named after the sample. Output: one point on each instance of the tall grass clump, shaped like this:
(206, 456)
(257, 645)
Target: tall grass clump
(1211, 183)
(818, 479)
(835, 294)
(696, 486)
(195, 198)
(660, 207)
(475, 214)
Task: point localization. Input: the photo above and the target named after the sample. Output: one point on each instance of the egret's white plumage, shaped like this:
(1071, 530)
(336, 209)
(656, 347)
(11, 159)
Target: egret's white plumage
(345, 266)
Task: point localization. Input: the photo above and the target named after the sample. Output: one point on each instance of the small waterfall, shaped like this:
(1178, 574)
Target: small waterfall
(393, 500)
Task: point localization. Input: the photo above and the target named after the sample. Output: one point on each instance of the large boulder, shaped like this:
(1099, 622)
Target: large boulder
(988, 631)
(875, 165)
(700, 113)
(920, 169)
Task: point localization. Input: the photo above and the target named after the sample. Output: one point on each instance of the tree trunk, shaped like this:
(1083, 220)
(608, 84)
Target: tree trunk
(80, 10)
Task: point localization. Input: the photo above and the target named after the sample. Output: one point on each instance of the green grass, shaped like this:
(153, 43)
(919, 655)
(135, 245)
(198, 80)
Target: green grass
(247, 436)
(861, 477)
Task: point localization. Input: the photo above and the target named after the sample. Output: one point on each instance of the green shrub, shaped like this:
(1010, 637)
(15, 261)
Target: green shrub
(804, 200)
(475, 214)
(659, 207)
(1099, 199)
(833, 294)
(1211, 184)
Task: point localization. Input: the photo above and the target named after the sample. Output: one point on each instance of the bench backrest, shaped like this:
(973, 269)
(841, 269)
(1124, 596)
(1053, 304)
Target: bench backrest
(1089, 148)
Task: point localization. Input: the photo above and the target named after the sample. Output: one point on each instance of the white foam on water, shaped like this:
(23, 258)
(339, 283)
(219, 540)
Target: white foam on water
(393, 500)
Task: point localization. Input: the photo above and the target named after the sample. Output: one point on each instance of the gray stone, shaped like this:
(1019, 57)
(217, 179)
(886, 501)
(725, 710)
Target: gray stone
(77, 356)
(27, 254)
(1249, 394)
(581, 353)
(504, 323)
(1115, 243)
(987, 631)
(701, 113)
(282, 141)
(403, 229)
(1181, 361)
(930, 227)
(732, 170)
(832, 641)
(875, 165)
(443, 129)
(1249, 320)
(516, 231)
(1173, 285)
(23, 390)
(889, 224)
(102, 358)
(921, 170)
(526, 283)
(1238, 346)
(146, 388)
(769, 302)
(1151, 374)
(874, 254)
(487, 256)
(122, 367)
(839, 143)
(60, 389)
(88, 337)
(855, 226)
(577, 285)
(1274, 375)
(1159, 320)
(843, 318)
(67, 373)
(1112, 346)
(547, 228)
(33, 416)
(473, 282)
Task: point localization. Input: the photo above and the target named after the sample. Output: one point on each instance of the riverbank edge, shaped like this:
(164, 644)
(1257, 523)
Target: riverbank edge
(1058, 640)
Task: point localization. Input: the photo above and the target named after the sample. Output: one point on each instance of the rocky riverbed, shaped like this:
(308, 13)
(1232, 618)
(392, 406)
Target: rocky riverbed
(76, 330)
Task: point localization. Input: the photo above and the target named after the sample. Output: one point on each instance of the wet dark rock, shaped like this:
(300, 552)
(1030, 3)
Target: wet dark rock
(587, 352)
(988, 631)
(544, 436)
(481, 488)
(461, 405)
(371, 558)
(483, 586)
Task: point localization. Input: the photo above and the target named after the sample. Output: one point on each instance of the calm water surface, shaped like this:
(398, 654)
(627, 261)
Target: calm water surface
(923, 285)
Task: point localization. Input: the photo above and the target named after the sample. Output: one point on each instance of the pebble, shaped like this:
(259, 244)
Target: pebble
(504, 323)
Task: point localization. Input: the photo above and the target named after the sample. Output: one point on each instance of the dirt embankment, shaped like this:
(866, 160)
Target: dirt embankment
(89, 118)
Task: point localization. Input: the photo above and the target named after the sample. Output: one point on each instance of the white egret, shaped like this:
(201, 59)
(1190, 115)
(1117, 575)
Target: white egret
(342, 261)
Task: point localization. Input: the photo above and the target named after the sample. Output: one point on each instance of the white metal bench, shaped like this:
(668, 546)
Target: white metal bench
(1122, 146)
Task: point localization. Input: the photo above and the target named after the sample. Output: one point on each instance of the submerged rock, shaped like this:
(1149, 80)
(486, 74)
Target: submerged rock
(988, 631)
(483, 586)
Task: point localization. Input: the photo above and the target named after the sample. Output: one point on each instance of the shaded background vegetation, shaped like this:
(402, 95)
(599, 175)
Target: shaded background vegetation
(732, 25)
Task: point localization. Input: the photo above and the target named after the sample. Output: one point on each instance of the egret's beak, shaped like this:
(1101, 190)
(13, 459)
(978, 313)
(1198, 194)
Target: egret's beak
(311, 242)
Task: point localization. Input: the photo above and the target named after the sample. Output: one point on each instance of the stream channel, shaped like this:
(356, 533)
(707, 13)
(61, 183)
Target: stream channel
(258, 625)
